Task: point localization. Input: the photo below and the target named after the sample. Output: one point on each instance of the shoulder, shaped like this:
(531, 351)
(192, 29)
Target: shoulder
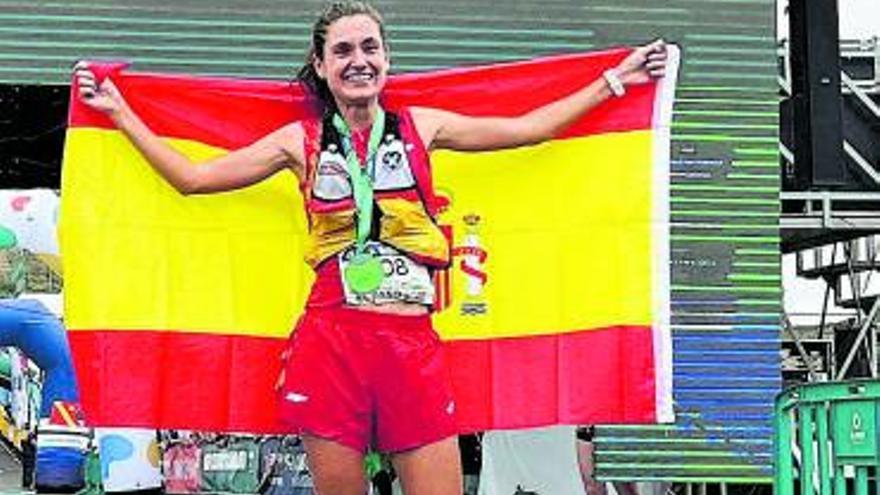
(432, 118)
(424, 115)
(427, 122)
(289, 140)
(288, 137)
(291, 131)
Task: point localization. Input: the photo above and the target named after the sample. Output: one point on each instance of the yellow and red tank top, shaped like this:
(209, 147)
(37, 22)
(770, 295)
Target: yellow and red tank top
(405, 202)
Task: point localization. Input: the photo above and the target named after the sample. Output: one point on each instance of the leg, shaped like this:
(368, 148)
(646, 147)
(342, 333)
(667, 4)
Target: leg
(336, 469)
(585, 460)
(626, 488)
(433, 469)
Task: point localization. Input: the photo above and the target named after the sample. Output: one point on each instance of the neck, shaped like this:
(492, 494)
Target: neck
(359, 115)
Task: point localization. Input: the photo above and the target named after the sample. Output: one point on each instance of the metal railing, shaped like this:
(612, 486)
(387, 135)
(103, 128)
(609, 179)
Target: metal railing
(827, 438)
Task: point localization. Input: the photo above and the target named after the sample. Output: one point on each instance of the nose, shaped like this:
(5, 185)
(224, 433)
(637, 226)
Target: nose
(359, 58)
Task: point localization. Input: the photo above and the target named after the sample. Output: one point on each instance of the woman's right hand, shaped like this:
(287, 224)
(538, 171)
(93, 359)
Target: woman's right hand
(102, 96)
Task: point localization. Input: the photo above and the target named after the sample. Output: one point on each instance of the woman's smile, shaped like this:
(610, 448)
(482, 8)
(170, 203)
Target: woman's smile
(355, 63)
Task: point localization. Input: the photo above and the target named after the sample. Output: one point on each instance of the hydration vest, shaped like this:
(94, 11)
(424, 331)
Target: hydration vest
(403, 194)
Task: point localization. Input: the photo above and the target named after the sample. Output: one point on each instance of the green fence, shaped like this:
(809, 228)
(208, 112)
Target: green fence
(827, 438)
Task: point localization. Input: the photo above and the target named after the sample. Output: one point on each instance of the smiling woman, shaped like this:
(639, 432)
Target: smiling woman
(356, 66)
(364, 366)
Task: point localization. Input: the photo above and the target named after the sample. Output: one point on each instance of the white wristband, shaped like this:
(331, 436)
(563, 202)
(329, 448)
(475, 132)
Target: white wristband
(614, 84)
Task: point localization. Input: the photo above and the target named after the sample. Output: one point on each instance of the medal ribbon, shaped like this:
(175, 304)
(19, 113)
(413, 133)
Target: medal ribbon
(362, 174)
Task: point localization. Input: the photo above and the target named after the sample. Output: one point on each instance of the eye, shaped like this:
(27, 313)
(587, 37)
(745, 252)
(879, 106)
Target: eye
(342, 49)
(371, 46)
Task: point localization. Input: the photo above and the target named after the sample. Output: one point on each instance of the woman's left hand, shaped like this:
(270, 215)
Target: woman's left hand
(644, 64)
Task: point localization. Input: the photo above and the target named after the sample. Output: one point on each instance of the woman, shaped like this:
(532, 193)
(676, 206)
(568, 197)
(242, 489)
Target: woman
(364, 366)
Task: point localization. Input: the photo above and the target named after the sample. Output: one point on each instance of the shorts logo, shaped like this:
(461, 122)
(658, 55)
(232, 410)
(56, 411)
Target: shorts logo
(296, 398)
(450, 408)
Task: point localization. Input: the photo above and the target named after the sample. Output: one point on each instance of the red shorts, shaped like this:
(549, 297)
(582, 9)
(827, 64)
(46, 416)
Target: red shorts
(367, 379)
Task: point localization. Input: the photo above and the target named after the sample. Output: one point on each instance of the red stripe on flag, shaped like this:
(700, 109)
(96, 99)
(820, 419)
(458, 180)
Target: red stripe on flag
(231, 113)
(587, 377)
(134, 378)
(515, 88)
(137, 378)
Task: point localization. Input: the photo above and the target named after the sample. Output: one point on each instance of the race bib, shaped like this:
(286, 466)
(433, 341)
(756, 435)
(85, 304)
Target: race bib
(405, 280)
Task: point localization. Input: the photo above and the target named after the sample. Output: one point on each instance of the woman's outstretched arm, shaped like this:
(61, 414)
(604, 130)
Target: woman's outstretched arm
(441, 129)
(240, 168)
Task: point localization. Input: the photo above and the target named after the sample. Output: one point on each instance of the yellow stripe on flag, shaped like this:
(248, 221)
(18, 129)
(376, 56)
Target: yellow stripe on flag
(566, 227)
(223, 263)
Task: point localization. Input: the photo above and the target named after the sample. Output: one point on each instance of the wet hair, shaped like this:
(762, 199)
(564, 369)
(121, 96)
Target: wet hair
(316, 89)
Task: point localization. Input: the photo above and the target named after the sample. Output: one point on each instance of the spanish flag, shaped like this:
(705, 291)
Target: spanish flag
(555, 310)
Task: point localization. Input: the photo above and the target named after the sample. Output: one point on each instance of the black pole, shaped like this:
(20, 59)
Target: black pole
(816, 99)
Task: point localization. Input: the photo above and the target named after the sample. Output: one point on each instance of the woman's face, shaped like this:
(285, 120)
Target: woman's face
(355, 64)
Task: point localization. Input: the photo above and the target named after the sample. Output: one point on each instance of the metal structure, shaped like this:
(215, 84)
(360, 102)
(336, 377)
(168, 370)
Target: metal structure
(830, 225)
(818, 213)
(825, 431)
(851, 272)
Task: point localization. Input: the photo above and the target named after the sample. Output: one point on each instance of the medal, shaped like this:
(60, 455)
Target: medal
(364, 273)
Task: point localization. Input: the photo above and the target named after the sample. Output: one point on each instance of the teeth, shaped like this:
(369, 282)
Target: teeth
(359, 77)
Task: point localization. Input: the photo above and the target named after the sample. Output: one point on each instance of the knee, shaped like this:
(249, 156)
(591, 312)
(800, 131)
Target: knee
(336, 481)
(335, 469)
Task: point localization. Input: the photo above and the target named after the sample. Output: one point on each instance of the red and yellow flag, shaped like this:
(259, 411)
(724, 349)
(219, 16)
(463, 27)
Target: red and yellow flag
(555, 309)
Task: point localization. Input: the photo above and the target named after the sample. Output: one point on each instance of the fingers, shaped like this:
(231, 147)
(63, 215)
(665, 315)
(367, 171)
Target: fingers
(657, 45)
(86, 81)
(645, 63)
(656, 70)
(655, 58)
(655, 62)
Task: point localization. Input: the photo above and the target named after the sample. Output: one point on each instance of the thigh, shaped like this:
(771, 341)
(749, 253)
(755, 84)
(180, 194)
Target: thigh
(413, 393)
(626, 488)
(433, 469)
(322, 392)
(587, 468)
(336, 469)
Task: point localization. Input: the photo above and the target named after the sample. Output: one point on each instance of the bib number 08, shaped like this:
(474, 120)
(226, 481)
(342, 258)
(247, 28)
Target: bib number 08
(395, 266)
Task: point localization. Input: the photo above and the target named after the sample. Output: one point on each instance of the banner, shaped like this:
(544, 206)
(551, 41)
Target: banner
(129, 459)
(556, 308)
(31, 215)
